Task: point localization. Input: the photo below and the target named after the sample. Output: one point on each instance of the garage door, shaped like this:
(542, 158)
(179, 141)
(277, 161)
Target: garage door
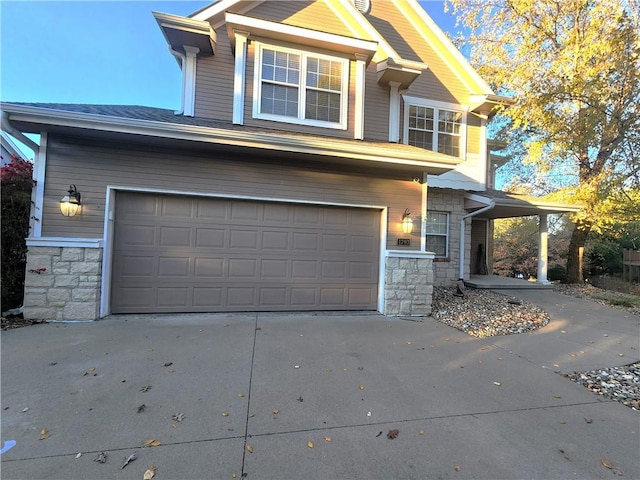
(195, 254)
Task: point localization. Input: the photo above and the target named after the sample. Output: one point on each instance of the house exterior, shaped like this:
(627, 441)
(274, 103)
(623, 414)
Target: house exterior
(327, 155)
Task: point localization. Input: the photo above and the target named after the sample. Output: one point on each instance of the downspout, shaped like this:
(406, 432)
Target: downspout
(183, 61)
(492, 204)
(14, 132)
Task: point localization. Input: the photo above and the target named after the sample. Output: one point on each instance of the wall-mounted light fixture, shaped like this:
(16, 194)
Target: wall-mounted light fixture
(407, 222)
(70, 203)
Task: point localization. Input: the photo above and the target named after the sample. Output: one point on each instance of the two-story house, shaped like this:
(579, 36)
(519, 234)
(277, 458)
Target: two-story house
(327, 155)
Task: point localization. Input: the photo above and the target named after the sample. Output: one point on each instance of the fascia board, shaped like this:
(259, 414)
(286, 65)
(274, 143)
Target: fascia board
(523, 203)
(265, 141)
(187, 25)
(211, 12)
(463, 70)
(356, 22)
(279, 31)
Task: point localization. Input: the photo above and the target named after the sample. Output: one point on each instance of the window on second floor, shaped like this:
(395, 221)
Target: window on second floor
(300, 87)
(437, 233)
(435, 127)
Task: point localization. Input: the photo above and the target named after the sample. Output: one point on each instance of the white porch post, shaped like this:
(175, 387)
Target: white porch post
(189, 78)
(239, 77)
(394, 112)
(542, 249)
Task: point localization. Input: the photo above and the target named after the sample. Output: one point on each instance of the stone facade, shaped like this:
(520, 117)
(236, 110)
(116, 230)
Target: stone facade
(447, 270)
(63, 283)
(408, 285)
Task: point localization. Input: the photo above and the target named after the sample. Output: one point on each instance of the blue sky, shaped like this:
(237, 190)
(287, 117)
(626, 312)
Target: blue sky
(101, 52)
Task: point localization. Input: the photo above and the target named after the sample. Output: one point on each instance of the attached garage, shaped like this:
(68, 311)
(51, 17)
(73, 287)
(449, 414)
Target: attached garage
(177, 253)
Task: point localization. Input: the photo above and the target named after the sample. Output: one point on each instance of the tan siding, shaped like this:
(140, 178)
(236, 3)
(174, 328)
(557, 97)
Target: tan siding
(376, 107)
(214, 82)
(438, 82)
(473, 134)
(312, 15)
(93, 167)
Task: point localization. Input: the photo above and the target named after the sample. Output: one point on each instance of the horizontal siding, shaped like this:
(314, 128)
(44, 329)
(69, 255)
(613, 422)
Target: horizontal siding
(312, 15)
(214, 82)
(376, 107)
(92, 167)
(439, 82)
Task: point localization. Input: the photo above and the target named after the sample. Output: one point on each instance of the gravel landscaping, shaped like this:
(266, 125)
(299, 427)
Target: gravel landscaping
(484, 313)
(617, 383)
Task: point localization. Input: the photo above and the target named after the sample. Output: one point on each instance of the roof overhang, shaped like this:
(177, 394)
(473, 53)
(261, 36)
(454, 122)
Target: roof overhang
(391, 157)
(180, 31)
(486, 104)
(259, 28)
(509, 205)
(399, 71)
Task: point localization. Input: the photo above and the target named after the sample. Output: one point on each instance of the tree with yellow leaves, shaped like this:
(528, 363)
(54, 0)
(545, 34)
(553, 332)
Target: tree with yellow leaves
(573, 69)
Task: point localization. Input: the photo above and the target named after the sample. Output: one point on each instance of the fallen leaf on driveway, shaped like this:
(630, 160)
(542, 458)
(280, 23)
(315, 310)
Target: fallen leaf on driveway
(457, 468)
(249, 449)
(420, 432)
(150, 473)
(151, 443)
(607, 463)
(361, 387)
(225, 414)
(300, 399)
(44, 434)
(557, 396)
(141, 408)
(393, 434)
(79, 455)
(178, 417)
(241, 395)
(497, 384)
(327, 438)
(276, 411)
(168, 364)
(101, 458)
(145, 389)
(310, 444)
(588, 420)
(128, 460)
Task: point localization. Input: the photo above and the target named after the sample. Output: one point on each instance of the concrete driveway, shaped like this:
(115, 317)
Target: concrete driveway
(257, 391)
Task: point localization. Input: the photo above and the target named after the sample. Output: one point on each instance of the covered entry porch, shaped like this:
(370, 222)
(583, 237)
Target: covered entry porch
(483, 208)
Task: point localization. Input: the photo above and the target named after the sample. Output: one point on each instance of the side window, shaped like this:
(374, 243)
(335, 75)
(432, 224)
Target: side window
(437, 233)
(434, 127)
(300, 87)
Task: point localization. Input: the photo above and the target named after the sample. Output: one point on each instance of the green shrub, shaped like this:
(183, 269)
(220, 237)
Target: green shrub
(16, 183)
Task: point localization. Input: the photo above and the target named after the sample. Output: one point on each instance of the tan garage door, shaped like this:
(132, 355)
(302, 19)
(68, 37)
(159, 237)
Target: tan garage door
(175, 253)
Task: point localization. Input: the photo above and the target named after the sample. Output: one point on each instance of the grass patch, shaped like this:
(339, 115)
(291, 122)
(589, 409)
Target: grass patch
(618, 300)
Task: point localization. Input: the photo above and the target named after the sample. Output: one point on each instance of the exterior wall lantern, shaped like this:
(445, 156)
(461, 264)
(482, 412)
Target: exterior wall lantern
(70, 203)
(407, 222)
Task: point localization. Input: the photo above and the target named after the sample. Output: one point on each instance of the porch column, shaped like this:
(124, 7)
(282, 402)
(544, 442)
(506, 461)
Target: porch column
(542, 249)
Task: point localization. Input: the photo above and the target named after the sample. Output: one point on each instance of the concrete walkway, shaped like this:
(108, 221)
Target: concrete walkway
(255, 390)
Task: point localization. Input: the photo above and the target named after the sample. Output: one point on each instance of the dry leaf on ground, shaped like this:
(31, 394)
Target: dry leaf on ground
(178, 417)
(101, 458)
(249, 449)
(310, 444)
(393, 434)
(128, 460)
(457, 468)
(327, 438)
(44, 434)
(150, 473)
(151, 443)
(145, 388)
(497, 384)
(607, 463)
(276, 411)
(141, 408)
(225, 414)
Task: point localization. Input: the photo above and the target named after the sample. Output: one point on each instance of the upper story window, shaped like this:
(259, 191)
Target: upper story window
(435, 126)
(300, 87)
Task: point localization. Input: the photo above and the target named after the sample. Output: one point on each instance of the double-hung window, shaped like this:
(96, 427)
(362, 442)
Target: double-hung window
(295, 86)
(437, 232)
(435, 126)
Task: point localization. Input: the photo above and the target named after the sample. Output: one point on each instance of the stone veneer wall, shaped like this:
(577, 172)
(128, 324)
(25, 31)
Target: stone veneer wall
(447, 270)
(408, 286)
(63, 283)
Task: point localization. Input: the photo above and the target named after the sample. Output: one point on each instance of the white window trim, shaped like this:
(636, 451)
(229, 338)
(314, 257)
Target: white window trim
(436, 105)
(447, 235)
(300, 120)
